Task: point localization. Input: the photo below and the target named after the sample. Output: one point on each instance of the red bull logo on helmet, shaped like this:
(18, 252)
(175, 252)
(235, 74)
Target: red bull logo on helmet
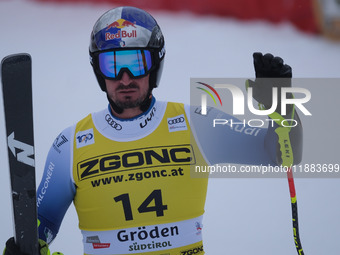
(118, 33)
(121, 23)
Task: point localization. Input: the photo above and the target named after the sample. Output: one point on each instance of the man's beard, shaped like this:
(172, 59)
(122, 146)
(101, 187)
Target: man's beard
(128, 102)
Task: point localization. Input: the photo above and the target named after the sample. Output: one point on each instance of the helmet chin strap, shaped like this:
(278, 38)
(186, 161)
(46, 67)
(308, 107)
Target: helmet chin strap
(113, 105)
(144, 106)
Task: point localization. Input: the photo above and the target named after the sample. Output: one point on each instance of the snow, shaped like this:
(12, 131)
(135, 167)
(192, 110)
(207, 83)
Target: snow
(244, 215)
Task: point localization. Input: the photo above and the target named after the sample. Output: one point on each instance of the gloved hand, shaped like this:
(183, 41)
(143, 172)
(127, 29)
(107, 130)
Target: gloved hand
(13, 249)
(270, 72)
(267, 66)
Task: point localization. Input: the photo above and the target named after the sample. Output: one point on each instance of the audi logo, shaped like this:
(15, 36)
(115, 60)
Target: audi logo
(175, 121)
(112, 122)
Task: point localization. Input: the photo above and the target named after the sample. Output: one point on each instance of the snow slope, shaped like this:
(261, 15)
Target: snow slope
(243, 216)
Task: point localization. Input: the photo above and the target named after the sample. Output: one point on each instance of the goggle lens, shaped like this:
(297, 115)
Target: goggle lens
(138, 62)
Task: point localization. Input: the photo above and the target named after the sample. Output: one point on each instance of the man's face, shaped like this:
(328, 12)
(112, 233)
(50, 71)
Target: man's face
(128, 92)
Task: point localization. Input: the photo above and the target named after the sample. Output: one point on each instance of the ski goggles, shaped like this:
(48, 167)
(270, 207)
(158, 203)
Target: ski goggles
(137, 62)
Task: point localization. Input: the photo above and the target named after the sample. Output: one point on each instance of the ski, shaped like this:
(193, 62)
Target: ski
(16, 77)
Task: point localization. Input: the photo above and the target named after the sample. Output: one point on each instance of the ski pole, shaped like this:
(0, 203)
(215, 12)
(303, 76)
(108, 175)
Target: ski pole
(294, 211)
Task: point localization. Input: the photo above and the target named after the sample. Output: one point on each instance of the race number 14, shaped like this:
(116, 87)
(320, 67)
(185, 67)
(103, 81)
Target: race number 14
(155, 196)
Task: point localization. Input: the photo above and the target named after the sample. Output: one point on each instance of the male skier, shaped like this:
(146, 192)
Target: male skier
(127, 168)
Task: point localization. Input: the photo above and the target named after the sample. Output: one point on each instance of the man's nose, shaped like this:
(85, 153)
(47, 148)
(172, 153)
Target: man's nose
(126, 79)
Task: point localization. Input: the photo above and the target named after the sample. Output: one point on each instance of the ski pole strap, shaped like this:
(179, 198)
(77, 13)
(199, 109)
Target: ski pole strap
(279, 119)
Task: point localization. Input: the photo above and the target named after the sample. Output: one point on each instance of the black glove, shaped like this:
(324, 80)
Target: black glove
(13, 249)
(268, 66)
(270, 72)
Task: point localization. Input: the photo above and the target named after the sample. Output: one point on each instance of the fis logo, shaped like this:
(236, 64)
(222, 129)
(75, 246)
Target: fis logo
(84, 138)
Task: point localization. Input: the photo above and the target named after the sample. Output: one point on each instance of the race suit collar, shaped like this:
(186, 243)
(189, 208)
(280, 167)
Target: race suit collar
(153, 100)
(129, 129)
